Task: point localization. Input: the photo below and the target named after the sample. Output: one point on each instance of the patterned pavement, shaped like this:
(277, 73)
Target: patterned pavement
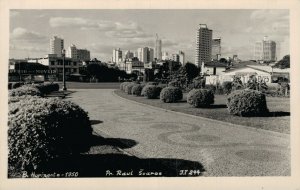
(223, 149)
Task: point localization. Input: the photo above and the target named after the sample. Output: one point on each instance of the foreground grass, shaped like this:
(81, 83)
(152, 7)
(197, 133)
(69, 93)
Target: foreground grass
(278, 120)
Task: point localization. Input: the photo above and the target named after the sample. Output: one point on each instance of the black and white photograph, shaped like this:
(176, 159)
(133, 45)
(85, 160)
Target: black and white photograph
(189, 93)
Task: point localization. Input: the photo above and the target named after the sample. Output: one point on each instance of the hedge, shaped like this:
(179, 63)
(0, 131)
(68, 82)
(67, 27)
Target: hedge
(41, 130)
(247, 103)
(151, 91)
(171, 94)
(200, 98)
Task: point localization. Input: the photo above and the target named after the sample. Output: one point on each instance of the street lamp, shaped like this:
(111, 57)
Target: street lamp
(63, 53)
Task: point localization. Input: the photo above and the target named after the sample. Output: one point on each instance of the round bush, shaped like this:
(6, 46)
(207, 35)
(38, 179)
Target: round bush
(200, 98)
(137, 89)
(41, 130)
(47, 88)
(247, 103)
(171, 94)
(128, 87)
(151, 91)
(227, 87)
(24, 90)
(122, 85)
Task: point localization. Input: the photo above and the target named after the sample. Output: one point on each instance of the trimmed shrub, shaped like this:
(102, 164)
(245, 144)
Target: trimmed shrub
(42, 130)
(151, 91)
(171, 94)
(122, 85)
(128, 88)
(137, 89)
(200, 98)
(247, 103)
(24, 90)
(227, 87)
(211, 87)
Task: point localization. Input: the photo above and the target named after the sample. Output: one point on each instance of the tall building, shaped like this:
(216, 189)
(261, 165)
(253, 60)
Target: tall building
(117, 56)
(158, 53)
(145, 54)
(165, 56)
(216, 48)
(175, 57)
(56, 45)
(181, 57)
(265, 50)
(128, 54)
(83, 55)
(203, 45)
(72, 52)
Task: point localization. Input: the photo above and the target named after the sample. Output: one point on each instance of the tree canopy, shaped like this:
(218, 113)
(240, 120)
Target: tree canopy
(283, 63)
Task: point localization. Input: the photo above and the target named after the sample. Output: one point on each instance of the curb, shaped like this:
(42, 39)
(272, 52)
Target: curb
(277, 134)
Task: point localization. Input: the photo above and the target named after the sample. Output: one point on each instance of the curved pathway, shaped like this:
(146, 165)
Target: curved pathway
(223, 149)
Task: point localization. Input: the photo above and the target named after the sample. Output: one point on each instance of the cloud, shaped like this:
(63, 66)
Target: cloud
(22, 34)
(269, 22)
(27, 48)
(112, 29)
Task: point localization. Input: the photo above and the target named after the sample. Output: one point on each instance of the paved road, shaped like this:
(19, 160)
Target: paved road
(223, 149)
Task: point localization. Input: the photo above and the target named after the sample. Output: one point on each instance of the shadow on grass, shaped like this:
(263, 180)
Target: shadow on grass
(99, 165)
(216, 106)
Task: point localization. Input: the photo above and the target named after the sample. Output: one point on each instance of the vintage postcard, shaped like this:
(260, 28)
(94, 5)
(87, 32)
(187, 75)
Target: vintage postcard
(156, 94)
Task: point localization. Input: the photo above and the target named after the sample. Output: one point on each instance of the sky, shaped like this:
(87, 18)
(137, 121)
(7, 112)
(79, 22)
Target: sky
(100, 31)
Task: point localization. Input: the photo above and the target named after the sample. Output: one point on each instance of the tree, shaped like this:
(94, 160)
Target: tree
(283, 63)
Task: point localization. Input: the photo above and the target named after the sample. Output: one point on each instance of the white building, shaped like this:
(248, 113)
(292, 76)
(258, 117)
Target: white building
(132, 65)
(117, 56)
(181, 57)
(165, 56)
(265, 50)
(145, 54)
(56, 45)
(203, 45)
(72, 52)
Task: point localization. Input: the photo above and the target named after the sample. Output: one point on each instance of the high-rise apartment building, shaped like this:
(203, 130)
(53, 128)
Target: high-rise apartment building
(181, 57)
(165, 56)
(216, 48)
(117, 56)
(56, 45)
(72, 52)
(128, 54)
(145, 55)
(265, 50)
(158, 53)
(203, 45)
(83, 55)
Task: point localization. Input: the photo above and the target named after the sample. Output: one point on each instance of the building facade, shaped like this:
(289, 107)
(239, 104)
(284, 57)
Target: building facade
(72, 52)
(203, 45)
(158, 53)
(83, 55)
(117, 56)
(165, 56)
(181, 57)
(128, 55)
(56, 45)
(145, 54)
(216, 49)
(265, 50)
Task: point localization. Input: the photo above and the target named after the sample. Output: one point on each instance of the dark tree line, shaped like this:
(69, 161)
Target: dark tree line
(103, 73)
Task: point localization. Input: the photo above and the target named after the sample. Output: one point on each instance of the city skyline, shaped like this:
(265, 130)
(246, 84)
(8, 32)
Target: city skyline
(101, 31)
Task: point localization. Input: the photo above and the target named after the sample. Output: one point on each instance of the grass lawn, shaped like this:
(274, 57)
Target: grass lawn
(278, 119)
